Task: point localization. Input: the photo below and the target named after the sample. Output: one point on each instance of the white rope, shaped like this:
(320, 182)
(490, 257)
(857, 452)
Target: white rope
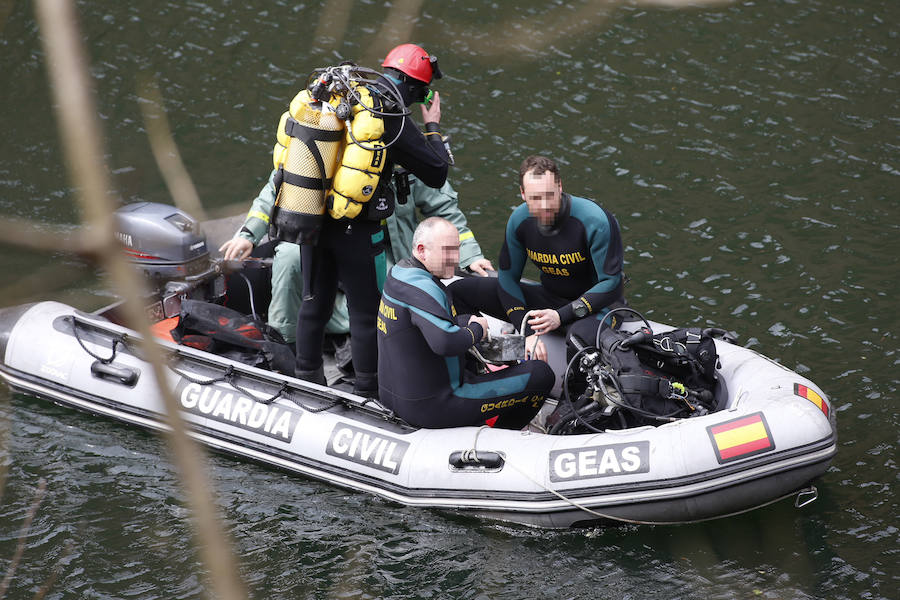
(537, 336)
(474, 454)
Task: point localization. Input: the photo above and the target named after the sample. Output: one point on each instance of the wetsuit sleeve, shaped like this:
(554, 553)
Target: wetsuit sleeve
(605, 246)
(423, 155)
(512, 263)
(444, 337)
(257, 222)
(444, 202)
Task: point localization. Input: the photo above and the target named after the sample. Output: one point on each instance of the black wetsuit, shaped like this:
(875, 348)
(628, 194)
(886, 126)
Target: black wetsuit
(421, 363)
(580, 257)
(351, 252)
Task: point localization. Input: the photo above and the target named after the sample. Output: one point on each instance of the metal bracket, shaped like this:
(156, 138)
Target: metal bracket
(806, 496)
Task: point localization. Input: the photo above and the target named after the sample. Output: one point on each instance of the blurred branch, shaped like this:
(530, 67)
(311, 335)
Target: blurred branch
(26, 234)
(332, 24)
(81, 141)
(43, 281)
(26, 527)
(538, 32)
(54, 575)
(397, 28)
(5, 430)
(166, 153)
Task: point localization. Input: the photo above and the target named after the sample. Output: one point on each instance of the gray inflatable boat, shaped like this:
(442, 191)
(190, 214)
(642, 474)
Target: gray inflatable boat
(772, 435)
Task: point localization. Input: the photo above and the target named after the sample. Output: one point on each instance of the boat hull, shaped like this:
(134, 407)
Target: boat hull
(768, 443)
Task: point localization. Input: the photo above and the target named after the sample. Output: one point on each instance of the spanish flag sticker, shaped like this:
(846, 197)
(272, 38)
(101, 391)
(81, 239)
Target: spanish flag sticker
(740, 438)
(812, 396)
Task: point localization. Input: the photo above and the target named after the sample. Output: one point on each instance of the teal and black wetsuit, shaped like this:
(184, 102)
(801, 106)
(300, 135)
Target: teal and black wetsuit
(421, 360)
(580, 258)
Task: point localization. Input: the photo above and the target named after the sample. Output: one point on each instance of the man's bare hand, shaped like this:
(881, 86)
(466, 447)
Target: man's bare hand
(481, 267)
(432, 113)
(544, 320)
(534, 348)
(236, 248)
(481, 321)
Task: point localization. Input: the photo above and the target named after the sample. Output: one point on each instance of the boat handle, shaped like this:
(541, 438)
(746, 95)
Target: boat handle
(121, 375)
(483, 460)
(806, 496)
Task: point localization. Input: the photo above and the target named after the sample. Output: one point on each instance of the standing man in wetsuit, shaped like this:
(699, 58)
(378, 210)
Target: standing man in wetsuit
(422, 344)
(352, 252)
(574, 242)
(287, 288)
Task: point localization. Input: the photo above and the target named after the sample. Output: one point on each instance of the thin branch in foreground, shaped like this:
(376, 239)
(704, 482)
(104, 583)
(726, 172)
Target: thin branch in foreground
(168, 158)
(81, 141)
(26, 527)
(30, 235)
(54, 575)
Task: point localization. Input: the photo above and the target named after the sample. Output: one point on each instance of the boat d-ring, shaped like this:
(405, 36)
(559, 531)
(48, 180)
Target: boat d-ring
(806, 496)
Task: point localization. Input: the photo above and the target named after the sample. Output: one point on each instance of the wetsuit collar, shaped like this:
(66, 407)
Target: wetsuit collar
(402, 87)
(412, 261)
(565, 204)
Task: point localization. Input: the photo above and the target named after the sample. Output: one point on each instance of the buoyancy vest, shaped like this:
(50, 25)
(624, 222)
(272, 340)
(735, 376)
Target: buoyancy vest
(361, 162)
(669, 374)
(324, 163)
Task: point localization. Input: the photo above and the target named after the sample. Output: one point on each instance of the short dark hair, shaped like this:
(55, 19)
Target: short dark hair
(538, 164)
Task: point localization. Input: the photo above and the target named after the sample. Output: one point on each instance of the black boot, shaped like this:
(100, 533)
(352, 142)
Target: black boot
(314, 376)
(366, 385)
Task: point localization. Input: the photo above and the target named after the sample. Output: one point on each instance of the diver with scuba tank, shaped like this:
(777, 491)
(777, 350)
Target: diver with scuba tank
(334, 158)
(286, 273)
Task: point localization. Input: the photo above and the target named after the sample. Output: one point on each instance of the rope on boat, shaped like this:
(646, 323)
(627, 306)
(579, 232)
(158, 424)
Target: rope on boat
(334, 402)
(230, 377)
(116, 340)
(472, 452)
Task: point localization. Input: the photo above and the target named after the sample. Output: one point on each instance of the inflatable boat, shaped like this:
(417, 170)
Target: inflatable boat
(772, 432)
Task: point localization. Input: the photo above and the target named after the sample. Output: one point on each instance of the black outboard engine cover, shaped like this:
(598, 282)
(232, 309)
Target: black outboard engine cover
(167, 246)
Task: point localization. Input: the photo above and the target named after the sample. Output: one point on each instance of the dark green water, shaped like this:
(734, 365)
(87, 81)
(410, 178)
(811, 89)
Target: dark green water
(750, 150)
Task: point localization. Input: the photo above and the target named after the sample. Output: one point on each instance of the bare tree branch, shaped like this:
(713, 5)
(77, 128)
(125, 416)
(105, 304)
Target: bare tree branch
(80, 132)
(44, 238)
(332, 24)
(54, 575)
(397, 28)
(166, 153)
(26, 527)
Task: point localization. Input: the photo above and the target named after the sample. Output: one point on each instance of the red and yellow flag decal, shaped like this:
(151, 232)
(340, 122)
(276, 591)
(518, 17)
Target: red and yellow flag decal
(812, 396)
(740, 438)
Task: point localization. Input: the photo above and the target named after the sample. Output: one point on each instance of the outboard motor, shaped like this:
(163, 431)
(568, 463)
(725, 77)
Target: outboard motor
(169, 249)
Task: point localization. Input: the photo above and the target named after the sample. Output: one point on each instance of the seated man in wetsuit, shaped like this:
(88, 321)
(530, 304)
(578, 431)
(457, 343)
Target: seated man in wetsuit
(422, 344)
(577, 246)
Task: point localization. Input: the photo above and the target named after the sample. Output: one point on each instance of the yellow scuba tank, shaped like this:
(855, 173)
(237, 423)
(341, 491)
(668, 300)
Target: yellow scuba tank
(362, 160)
(306, 155)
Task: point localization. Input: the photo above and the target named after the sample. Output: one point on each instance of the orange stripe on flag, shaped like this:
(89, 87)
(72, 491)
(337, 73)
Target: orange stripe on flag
(741, 437)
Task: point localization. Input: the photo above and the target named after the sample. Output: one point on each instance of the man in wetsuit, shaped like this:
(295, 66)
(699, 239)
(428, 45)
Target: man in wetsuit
(422, 344)
(352, 252)
(287, 285)
(574, 242)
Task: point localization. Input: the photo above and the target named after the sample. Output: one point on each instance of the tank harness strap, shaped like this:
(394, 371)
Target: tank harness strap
(645, 384)
(310, 183)
(310, 136)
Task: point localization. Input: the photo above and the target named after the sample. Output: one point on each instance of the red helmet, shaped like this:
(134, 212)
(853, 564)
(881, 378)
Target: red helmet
(414, 62)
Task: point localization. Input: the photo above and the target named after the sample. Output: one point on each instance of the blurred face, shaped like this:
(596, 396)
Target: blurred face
(543, 195)
(440, 254)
